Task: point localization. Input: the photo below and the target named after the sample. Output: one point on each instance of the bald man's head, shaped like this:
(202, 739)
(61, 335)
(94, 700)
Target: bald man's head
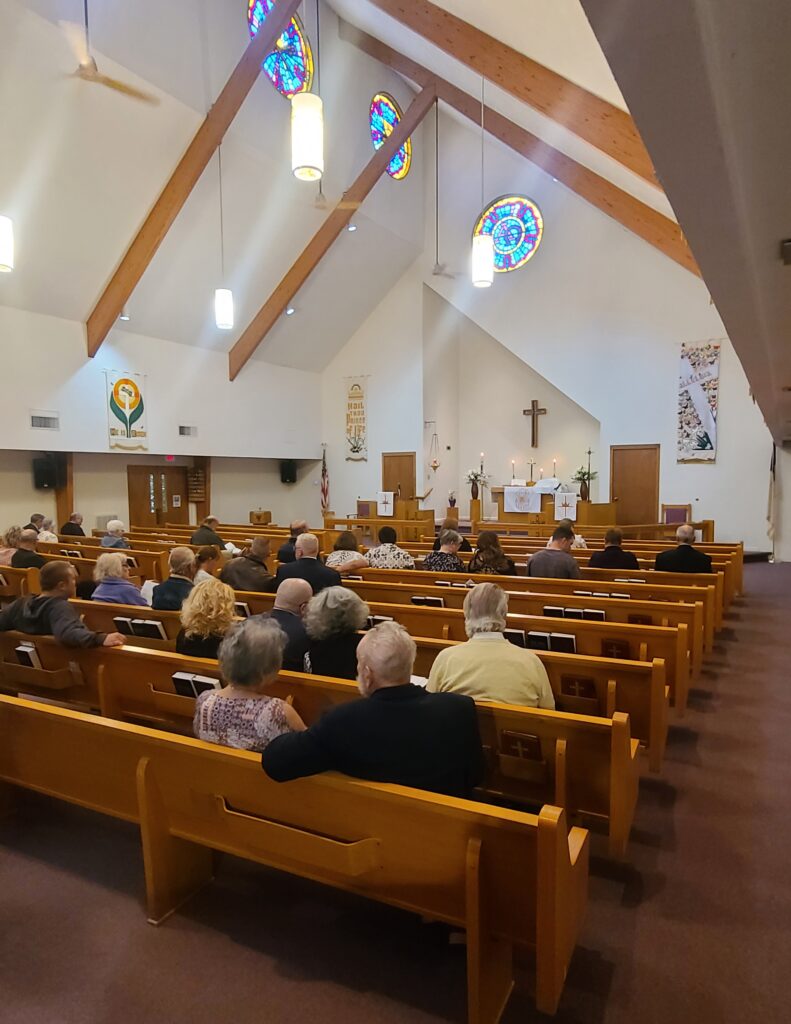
(307, 546)
(685, 534)
(293, 596)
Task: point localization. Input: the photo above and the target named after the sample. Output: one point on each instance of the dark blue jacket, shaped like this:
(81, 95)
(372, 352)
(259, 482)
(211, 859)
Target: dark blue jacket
(170, 595)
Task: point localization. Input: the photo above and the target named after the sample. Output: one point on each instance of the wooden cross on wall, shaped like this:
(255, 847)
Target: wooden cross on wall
(534, 412)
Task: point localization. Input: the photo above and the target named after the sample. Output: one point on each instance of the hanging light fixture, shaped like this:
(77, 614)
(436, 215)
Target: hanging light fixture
(307, 125)
(483, 244)
(6, 245)
(223, 297)
(433, 450)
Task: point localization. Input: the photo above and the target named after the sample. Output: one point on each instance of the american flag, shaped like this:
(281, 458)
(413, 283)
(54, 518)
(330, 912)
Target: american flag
(325, 483)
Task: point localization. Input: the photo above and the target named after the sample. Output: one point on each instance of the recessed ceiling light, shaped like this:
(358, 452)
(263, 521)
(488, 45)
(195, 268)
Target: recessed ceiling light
(352, 227)
(290, 311)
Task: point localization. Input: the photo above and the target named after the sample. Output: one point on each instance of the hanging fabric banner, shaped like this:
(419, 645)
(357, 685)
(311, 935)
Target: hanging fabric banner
(698, 396)
(356, 426)
(565, 505)
(521, 499)
(126, 411)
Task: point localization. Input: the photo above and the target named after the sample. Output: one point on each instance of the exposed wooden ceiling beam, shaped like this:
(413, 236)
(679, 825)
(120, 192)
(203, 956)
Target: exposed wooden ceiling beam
(318, 246)
(593, 119)
(644, 221)
(189, 169)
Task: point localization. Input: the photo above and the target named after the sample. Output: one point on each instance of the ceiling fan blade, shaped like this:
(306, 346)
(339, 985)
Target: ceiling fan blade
(75, 37)
(127, 90)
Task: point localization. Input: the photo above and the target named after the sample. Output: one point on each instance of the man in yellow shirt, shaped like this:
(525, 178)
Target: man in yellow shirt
(488, 667)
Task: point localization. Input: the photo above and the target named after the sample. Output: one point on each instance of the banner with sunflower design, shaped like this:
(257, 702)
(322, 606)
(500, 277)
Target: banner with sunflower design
(126, 411)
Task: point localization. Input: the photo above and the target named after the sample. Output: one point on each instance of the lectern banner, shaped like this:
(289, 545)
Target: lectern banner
(356, 421)
(521, 499)
(698, 399)
(384, 503)
(566, 506)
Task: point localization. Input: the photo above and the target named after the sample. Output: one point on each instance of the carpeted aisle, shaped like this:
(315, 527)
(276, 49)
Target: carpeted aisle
(696, 926)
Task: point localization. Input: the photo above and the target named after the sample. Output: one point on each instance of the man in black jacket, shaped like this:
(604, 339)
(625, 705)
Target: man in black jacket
(249, 571)
(171, 595)
(286, 553)
(399, 733)
(613, 556)
(26, 556)
(290, 604)
(50, 612)
(307, 566)
(685, 558)
(74, 526)
(206, 534)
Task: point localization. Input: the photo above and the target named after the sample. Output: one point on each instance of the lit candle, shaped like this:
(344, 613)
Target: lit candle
(513, 468)
(482, 462)
(554, 467)
(541, 471)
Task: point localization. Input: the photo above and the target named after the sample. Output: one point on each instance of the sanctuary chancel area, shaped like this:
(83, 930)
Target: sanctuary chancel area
(394, 512)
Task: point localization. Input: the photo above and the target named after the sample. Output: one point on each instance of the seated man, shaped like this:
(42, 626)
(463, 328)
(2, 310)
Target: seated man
(206, 534)
(288, 612)
(307, 566)
(489, 667)
(286, 551)
(685, 558)
(398, 733)
(388, 555)
(74, 526)
(248, 571)
(613, 556)
(170, 595)
(579, 540)
(114, 538)
(51, 613)
(555, 562)
(447, 558)
(26, 556)
(35, 522)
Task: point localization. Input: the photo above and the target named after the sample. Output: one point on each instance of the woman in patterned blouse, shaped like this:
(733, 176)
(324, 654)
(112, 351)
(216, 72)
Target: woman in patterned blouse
(490, 557)
(446, 559)
(345, 556)
(242, 715)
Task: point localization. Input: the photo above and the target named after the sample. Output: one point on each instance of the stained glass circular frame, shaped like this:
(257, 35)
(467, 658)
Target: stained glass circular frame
(383, 115)
(516, 224)
(289, 66)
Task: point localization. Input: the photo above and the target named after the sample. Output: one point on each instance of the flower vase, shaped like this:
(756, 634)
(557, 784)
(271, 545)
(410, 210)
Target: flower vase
(584, 490)
(474, 490)
(451, 502)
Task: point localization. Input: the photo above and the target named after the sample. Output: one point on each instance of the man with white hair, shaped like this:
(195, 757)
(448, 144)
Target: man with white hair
(489, 667)
(74, 526)
(398, 733)
(171, 595)
(685, 558)
(307, 566)
(114, 538)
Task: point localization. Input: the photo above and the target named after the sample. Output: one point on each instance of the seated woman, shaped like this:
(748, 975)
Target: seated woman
(446, 559)
(207, 559)
(46, 532)
(114, 538)
(206, 616)
(113, 584)
(490, 557)
(242, 715)
(332, 619)
(10, 544)
(345, 556)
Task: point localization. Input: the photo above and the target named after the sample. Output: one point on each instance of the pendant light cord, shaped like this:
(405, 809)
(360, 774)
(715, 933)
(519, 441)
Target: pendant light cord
(87, 34)
(483, 82)
(318, 49)
(436, 182)
(222, 222)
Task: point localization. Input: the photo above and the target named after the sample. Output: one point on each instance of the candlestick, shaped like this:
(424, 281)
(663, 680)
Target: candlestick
(541, 471)
(531, 463)
(513, 468)
(554, 467)
(482, 462)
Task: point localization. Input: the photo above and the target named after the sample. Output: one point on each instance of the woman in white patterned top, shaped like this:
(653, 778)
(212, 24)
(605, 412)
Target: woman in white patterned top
(346, 555)
(242, 715)
(388, 555)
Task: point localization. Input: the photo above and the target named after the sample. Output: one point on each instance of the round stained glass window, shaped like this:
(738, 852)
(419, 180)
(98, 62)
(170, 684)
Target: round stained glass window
(384, 115)
(290, 65)
(516, 224)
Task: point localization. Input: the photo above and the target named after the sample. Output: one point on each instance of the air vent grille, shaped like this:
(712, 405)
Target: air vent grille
(45, 420)
(188, 431)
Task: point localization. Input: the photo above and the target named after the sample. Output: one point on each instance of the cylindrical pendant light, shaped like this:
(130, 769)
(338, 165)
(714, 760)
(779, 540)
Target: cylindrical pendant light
(6, 245)
(223, 308)
(482, 245)
(307, 136)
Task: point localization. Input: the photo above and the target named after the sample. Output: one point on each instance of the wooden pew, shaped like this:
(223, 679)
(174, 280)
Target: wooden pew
(16, 583)
(511, 879)
(151, 565)
(586, 765)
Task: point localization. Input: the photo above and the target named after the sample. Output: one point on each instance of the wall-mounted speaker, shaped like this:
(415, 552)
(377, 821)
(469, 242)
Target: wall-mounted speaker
(49, 471)
(288, 471)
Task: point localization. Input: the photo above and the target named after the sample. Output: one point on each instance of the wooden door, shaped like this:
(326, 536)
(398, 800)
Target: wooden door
(157, 495)
(634, 482)
(398, 470)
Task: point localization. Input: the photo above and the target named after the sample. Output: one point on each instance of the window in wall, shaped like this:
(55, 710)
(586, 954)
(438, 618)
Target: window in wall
(290, 65)
(384, 115)
(152, 503)
(517, 226)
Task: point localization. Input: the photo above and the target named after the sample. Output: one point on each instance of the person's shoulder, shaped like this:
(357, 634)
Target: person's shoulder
(451, 703)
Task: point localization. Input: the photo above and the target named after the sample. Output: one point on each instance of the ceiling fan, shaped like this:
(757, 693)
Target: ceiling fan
(78, 38)
(439, 269)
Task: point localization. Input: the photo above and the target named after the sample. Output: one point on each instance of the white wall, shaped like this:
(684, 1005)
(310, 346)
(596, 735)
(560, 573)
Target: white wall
(18, 497)
(239, 486)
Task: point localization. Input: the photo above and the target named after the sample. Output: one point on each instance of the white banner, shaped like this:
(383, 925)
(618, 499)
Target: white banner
(698, 398)
(127, 422)
(521, 499)
(356, 424)
(385, 506)
(566, 506)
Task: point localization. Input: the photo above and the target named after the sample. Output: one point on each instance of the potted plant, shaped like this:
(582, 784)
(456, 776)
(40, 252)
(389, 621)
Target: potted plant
(583, 477)
(475, 478)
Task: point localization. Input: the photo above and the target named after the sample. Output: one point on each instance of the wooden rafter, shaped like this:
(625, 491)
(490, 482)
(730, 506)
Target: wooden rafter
(638, 217)
(593, 119)
(318, 246)
(189, 169)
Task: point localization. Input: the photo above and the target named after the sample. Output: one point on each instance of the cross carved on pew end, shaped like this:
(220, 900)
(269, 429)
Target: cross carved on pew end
(534, 412)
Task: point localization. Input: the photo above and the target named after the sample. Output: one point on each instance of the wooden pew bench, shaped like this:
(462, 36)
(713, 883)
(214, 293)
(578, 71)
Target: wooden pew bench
(150, 565)
(16, 583)
(513, 880)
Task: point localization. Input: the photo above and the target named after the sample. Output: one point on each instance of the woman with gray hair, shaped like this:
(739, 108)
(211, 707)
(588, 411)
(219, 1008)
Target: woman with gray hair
(114, 586)
(242, 714)
(446, 559)
(333, 620)
(114, 538)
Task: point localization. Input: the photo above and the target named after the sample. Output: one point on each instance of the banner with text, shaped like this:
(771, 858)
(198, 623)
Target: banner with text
(126, 411)
(698, 397)
(356, 425)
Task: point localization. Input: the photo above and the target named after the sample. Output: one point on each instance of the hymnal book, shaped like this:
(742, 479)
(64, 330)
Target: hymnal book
(431, 602)
(26, 654)
(583, 593)
(594, 614)
(151, 628)
(553, 611)
(622, 597)
(573, 613)
(202, 683)
(123, 625)
(188, 685)
(242, 609)
(350, 577)
(601, 593)
(537, 641)
(131, 562)
(563, 643)
(374, 620)
(640, 620)
(70, 553)
(443, 583)
(464, 586)
(516, 637)
(616, 649)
